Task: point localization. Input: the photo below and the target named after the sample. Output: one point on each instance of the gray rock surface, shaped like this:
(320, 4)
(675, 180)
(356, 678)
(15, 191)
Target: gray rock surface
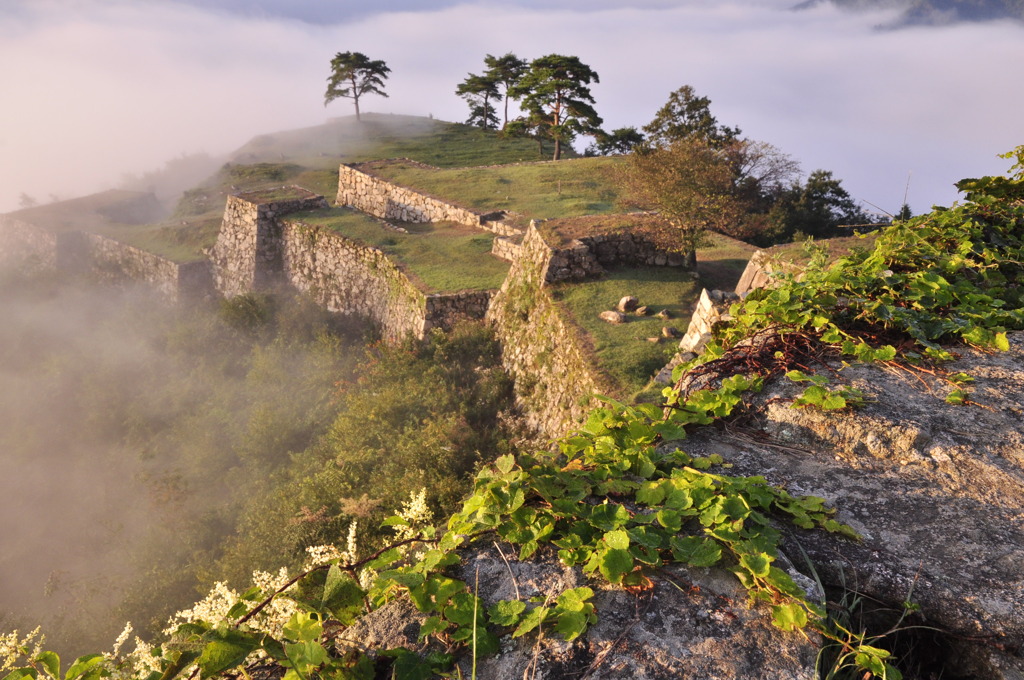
(692, 624)
(613, 317)
(936, 490)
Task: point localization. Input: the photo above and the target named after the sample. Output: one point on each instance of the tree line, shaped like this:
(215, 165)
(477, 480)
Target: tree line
(696, 172)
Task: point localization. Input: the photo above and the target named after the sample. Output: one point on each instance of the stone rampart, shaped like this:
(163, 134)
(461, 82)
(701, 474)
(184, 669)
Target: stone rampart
(381, 198)
(554, 374)
(763, 265)
(591, 256)
(351, 278)
(29, 248)
(25, 247)
(119, 263)
(712, 307)
(247, 255)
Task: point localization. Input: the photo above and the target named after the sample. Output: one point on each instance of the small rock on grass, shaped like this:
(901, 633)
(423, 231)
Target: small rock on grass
(613, 317)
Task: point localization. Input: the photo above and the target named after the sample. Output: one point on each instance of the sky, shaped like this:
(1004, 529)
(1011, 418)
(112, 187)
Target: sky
(94, 90)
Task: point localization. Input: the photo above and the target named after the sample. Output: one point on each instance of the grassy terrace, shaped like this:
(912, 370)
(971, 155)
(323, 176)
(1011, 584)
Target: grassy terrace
(538, 190)
(623, 351)
(438, 257)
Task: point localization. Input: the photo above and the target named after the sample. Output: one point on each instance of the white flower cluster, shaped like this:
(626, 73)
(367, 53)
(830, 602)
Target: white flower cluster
(138, 663)
(13, 647)
(214, 608)
(417, 513)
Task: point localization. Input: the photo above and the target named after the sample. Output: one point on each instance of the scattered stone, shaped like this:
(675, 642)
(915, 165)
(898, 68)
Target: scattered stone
(627, 304)
(654, 341)
(613, 317)
(642, 310)
(670, 332)
(664, 315)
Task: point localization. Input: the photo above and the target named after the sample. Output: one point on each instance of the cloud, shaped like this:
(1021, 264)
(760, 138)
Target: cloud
(112, 87)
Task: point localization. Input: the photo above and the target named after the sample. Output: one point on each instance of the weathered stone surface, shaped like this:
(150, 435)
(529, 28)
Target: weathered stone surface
(613, 317)
(670, 332)
(627, 304)
(642, 310)
(712, 307)
(664, 314)
(936, 490)
(691, 624)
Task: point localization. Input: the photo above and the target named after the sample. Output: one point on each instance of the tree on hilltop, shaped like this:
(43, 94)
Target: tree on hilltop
(618, 141)
(506, 71)
(353, 74)
(689, 183)
(478, 91)
(684, 115)
(557, 100)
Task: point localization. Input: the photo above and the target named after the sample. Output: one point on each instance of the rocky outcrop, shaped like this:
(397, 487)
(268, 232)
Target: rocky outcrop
(936, 491)
(692, 623)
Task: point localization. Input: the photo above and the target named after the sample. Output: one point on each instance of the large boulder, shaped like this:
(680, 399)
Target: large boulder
(936, 491)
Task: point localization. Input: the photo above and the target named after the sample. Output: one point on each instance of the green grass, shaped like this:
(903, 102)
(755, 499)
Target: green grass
(438, 257)
(622, 351)
(310, 157)
(344, 140)
(539, 191)
(721, 261)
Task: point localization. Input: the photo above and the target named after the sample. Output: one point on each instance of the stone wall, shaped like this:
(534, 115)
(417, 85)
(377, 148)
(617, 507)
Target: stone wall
(351, 278)
(388, 201)
(507, 248)
(247, 254)
(119, 263)
(24, 247)
(554, 375)
(758, 272)
(590, 256)
(29, 248)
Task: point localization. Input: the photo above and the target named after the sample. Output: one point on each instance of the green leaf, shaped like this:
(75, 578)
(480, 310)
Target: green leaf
(22, 674)
(505, 464)
(757, 565)
(650, 493)
(575, 599)
(50, 662)
(617, 539)
(407, 665)
(615, 563)
(230, 649)
(789, 616)
(433, 624)
(696, 551)
(85, 666)
(303, 627)
(534, 618)
(506, 612)
(570, 625)
(342, 597)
